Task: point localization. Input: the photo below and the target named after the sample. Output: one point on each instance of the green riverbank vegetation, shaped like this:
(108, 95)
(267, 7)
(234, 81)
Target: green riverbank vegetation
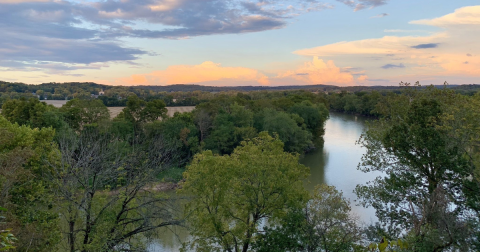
(74, 179)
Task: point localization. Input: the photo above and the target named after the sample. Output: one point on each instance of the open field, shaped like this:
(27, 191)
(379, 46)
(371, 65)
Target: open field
(114, 111)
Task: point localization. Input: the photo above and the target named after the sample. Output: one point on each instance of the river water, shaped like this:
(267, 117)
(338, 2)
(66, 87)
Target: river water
(334, 164)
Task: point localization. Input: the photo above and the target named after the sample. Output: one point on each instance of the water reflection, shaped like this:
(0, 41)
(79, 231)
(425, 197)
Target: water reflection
(168, 239)
(336, 163)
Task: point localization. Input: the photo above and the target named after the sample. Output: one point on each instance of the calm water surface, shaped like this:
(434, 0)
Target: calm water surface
(334, 164)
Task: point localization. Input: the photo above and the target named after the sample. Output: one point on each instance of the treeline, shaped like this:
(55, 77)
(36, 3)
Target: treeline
(177, 95)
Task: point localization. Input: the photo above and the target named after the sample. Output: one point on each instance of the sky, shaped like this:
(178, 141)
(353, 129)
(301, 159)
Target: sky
(240, 42)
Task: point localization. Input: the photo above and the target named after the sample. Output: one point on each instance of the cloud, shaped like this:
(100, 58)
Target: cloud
(363, 4)
(425, 46)
(402, 31)
(380, 46)
(316, 71)
(380, 15)
(469, 15)
(388, 66)
(29, 50)
(437, 56)
(207, 73)
(182, 18)
(89, 31)
(20, 1)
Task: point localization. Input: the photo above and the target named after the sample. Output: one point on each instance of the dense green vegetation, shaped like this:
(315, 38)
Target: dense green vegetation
(74, 179)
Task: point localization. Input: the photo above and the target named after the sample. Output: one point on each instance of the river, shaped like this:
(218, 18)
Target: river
(334, 164)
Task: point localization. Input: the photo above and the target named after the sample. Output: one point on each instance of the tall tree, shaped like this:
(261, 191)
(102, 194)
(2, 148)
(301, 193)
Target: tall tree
(323, 224)
(423, 189)
(234, 194)
(79, 113)
(24, 191)
(105, 192)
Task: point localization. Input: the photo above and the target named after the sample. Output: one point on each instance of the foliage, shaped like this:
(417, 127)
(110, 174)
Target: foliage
(324, 224)
(105, 193)
(7, 239)
(423, 191)
(31, 112)
(233, 194)
(314, 116)
(139, 111)
(296, 138)
(79, 113)
(24, 189)
(178, 137)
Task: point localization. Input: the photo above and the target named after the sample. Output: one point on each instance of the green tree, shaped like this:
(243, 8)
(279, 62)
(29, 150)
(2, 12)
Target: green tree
(79, 113)
(296, 138)
(105, 192)
(139, 111)
(314, 116)
(423, 190)
(24, 190)
(234, 194)
(324, 224)
(31, 112)
(177, 137)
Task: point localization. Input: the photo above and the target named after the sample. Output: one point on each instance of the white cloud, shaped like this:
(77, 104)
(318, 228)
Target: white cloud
(469, 15)
(434, 56)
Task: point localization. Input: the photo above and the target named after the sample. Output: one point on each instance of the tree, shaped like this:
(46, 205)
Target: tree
(139, 111)
(295, 138)
(230, 128)
(105, 192)
(314, 116)
(178, 135)
(203, 121)
(423, 190)
(30, 112)
(234, 194)
(7, 239)
(24, 191)
(79, 113)
(324, 224)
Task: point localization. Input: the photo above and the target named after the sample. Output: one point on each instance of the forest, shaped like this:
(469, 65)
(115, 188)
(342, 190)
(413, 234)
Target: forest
(74, 179)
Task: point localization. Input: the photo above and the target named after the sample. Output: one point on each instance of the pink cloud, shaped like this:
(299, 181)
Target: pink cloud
(316, 71)
(207, 73)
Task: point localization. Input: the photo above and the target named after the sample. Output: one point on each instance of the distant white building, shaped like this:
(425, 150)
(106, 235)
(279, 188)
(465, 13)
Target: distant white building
(101, 93)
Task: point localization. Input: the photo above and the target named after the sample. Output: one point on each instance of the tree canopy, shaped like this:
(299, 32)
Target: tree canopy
(232, 195)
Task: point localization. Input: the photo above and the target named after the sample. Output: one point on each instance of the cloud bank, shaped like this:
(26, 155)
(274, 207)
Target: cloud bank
(36, 33)
(444, 53)
(316, 71)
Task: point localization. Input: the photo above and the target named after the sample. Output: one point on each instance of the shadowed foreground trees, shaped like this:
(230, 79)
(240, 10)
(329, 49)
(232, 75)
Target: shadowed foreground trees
(233, 195)
(24, 191)
(105, 193)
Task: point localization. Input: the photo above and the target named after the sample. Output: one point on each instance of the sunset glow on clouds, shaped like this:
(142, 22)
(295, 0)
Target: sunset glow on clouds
(319, 72)
(208, 73)
(453, 51)
(205, 73)
(239, 42)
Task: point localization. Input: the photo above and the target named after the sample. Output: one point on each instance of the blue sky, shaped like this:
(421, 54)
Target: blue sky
(240, 42)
